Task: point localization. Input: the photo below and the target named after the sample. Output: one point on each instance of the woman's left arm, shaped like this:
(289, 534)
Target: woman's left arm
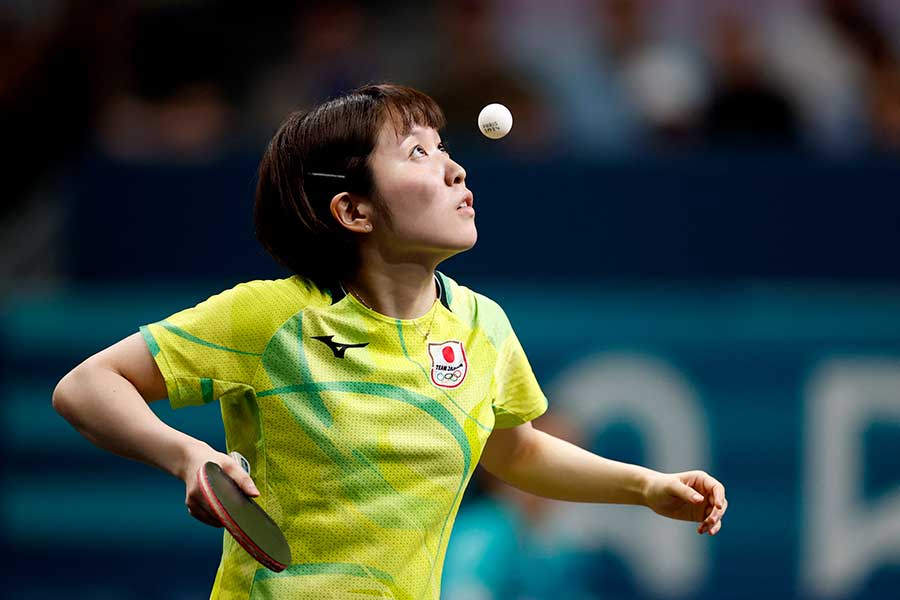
(541, 464)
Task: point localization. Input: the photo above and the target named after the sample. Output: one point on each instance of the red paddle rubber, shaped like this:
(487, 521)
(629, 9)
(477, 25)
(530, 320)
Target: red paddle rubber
(232, 527)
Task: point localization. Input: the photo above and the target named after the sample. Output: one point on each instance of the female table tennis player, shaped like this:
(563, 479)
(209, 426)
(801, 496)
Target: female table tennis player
(365, 388)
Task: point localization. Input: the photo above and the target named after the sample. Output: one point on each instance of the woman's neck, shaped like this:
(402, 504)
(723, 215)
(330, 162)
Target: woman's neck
(402, 291)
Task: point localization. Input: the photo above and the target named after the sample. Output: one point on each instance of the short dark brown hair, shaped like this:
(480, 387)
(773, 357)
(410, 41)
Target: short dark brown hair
(316, 154)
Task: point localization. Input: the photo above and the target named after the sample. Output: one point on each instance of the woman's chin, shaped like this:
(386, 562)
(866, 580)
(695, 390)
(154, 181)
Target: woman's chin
(458, 246)
(469, 240)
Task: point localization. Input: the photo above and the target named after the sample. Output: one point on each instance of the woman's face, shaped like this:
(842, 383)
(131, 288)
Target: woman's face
(425, 192)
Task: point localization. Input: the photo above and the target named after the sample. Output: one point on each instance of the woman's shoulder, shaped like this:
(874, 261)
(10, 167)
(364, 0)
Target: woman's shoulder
(293, 288)
(476, 309)
(271, 297)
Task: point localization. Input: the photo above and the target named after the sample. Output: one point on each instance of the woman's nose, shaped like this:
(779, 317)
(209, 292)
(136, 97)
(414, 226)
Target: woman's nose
(455, 173)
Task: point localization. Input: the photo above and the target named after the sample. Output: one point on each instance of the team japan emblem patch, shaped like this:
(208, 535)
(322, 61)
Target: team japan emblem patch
(448, 364)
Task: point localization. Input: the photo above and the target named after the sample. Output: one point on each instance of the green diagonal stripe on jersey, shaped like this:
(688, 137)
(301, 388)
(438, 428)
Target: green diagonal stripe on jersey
(292, 334)
(150, 340)
(193, 338)
(361, 481)
(428, 405)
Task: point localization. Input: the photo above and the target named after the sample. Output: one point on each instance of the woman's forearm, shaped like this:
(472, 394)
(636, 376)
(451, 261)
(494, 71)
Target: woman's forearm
(553, 468)
(107, 409)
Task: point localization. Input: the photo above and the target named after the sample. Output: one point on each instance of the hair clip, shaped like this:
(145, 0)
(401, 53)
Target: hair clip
(335, 176)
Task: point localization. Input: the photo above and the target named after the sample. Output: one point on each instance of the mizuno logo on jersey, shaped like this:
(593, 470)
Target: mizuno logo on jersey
(337, 347)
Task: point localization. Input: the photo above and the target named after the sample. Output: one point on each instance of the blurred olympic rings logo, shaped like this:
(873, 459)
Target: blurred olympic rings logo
(451, 376)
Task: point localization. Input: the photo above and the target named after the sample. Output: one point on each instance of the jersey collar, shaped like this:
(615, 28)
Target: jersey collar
(440, 284)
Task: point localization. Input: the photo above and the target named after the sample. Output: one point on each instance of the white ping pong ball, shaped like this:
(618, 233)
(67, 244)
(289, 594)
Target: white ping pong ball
(495, 121)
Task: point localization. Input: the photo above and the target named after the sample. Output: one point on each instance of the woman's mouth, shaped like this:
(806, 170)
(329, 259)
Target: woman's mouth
(466, 205)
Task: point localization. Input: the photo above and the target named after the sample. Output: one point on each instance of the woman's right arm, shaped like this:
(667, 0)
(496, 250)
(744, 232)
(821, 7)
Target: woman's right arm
(105, 398)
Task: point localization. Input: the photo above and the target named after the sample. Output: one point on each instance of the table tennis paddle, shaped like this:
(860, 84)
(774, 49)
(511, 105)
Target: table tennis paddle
(247, 523)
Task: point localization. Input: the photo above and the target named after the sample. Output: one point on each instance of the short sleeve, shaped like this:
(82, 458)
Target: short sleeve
(518, 396)
(213, 348)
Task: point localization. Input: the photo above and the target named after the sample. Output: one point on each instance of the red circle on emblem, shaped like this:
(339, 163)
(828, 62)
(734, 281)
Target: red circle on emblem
(449, 356)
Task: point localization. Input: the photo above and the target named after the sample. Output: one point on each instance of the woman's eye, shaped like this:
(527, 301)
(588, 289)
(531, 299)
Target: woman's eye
(419, 150)
(443, 148)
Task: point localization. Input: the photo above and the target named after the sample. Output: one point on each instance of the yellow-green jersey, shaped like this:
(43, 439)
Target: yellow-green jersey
(362, 430)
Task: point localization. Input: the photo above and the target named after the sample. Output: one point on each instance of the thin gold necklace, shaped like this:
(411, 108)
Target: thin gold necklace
(425, 335)
(430, 325)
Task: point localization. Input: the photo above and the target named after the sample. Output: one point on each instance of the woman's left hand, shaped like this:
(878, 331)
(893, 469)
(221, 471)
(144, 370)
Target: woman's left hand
(689, 496)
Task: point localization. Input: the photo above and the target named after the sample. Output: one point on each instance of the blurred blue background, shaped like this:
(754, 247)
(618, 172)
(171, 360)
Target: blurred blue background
(693, 227)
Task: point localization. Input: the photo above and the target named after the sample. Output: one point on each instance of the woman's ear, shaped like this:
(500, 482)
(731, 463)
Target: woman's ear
(352, 212)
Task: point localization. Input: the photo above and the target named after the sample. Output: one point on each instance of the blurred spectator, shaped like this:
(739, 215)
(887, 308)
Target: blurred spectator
(664, 84)
(624, 27)
(563, 56)
(856, 23)
(853, 21)
(884, 110)
(174, 105)
(471, 73)
(745, 106)
(329, 53)
(821, 74)
(834, 58)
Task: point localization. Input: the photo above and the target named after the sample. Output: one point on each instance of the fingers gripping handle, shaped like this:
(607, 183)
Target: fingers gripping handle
(240, 460)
